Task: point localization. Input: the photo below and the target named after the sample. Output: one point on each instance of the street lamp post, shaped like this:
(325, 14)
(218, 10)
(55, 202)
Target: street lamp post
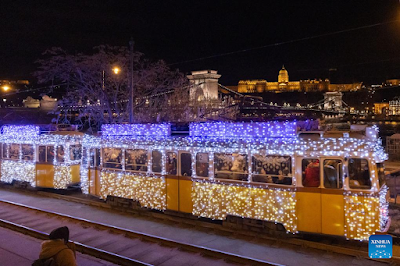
(131, 43)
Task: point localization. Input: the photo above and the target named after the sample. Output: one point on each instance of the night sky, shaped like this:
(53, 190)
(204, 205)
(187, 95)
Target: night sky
(179, 31)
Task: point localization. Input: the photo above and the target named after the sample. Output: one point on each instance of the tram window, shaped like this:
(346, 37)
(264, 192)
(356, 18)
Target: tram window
(27, 152)
(84, 156)
(272, 169)
(94, 157)
(14, 152)
(333, 173)
(98, 157)
(60, 154)
(50, 154)
(112, 158)
(381, 174)
(171, 163)
(75, 152)
(5, 146)
(42, 154)
(156, 159)
(186, 164)
(202, 164)
(311, 172)
(231, 166)
(359, 174)
(46, 154)
(136, 160)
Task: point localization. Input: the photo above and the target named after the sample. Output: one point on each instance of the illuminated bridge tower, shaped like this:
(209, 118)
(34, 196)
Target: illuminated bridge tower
(204, 85)
(333, 101)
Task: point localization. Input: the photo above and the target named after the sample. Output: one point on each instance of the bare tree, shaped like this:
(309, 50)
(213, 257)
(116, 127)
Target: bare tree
(99, 93)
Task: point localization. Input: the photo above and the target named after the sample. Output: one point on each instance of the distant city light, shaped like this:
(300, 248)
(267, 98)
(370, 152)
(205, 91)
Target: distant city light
(6, 88)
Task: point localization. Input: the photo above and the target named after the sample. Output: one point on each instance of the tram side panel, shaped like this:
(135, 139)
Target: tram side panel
(44, 175)
(20, 171)
(218, 200)
(75, 173)
(163, 193)
(332, 212)
(185, 194)
(308, 210)
(149, 191)
(94, 181)
(172, 192)
(168, 193)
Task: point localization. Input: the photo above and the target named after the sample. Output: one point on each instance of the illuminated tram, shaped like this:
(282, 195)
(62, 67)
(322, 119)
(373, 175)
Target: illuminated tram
(43, 159)
(326, 182)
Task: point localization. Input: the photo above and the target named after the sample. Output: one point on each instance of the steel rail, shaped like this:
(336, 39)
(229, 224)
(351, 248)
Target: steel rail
(218, 254)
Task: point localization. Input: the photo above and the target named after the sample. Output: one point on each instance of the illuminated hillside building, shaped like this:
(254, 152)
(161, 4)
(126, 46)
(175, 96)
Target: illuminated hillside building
(284, 85)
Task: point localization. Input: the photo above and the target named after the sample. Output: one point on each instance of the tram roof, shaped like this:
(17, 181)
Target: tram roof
(319, 147)
(31, 134)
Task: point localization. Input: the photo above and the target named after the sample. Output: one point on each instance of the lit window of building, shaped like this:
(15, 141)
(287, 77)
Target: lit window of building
(394, 107)
(381, 108)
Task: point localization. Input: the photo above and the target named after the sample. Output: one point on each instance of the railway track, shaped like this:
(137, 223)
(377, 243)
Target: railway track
(117, 245)
(333, 245)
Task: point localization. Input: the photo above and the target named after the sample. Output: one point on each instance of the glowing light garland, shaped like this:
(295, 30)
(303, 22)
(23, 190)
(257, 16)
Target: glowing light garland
(149, 191)
(372, 132)
(21, 171)
(361, 214)
(383, 207)
(243, 130)
(136, 129)
(84, 172)
(13, 130)
(216, 201)
(62, 176)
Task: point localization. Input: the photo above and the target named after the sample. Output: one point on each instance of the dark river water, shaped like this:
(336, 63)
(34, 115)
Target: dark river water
(387, 129)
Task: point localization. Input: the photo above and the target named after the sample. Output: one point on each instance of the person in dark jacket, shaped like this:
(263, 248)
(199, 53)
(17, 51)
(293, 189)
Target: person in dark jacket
(58, 248)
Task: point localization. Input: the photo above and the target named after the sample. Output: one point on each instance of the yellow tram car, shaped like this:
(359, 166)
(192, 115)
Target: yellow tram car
(325, 182)
(41, 159)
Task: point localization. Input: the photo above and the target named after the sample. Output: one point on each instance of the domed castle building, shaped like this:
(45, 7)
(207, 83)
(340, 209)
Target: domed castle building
(284, 85)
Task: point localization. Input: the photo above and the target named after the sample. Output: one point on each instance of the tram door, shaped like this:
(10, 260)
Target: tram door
(320, 196)
(93, 172)
(332, 201)
(185, 182)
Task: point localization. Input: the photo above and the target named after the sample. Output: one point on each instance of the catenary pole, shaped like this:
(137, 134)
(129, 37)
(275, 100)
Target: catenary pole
(131, 43)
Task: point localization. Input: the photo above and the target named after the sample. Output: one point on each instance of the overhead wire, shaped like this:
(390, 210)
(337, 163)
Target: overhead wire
(285, 42)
